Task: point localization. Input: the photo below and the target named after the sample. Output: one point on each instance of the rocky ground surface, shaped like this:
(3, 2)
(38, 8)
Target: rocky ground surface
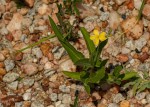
(33, 78)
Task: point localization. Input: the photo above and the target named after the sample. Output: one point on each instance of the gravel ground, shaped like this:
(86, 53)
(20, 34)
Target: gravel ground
(33, 78)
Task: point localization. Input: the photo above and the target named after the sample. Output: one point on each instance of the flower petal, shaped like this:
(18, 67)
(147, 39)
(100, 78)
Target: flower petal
(102, 36)
(96, 42)
(96, 32)
(92, 37)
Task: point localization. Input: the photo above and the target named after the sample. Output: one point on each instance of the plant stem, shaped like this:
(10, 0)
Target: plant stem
(36, 43)
(141, 9)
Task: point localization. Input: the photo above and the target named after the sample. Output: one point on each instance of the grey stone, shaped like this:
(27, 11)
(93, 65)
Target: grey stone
(64, 88)
(140, 43)
(66, 99)
(144, 67)
(62, 105)
(90, 18)
(113, 105)
(60, 96)
(118, 97)
(9, 64)
(13, 85)
(104, 16)
(1, 105)
(130, 45)
(53, 96)
(140, 96)
(89, 26)
(58, 52)
(3, 2)
(10, 77)
(18, 104)
(48, 73)
(36, 104)
(3, 31)
(28, 81)
(37, 52)
(148, 98)
(27, 96)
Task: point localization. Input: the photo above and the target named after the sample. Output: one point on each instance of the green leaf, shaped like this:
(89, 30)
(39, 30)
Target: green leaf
(98, 75)
(83, 62)
(103, 63)
(129, 75)
(87, 88)
(142, 88)
(96, 54)
(118, 82)
(117, 70)
(89, 42)
(85, 77)
(76, 9)
(141, 9)
(56, 30)
(110, 78)
(76, 99)
(143, 85)
(38, 42)
(74, 75)
(72, 52)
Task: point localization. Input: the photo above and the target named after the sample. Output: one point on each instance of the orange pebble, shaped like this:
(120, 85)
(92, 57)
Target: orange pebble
(125, 103)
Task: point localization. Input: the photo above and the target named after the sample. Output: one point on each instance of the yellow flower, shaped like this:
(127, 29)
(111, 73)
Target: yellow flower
(97, 37)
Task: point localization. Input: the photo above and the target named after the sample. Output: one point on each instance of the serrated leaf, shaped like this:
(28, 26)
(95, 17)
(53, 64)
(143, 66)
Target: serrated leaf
(98, 75)
(74, 75)
(83, 62)
(129, 75)
(89, 43)
(87, 88)
(72, 52)
(117, 70)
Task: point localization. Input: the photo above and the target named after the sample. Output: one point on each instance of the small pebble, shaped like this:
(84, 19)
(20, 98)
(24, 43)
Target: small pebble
(113, 105)
(66, 99)
(10, 77)
(2, 58)
(143, 101)
(148, 98)
(9, 64)
(124, 103)
(36, 104)
(64, 88)
(140, 96)
(118, 97)
(13, 85)
(27, 96)
(53, 96)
